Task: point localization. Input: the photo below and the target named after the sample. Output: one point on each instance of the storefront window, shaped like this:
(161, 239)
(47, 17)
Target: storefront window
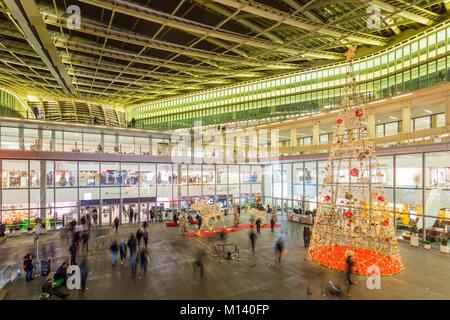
(110, 174)
(437, 170)
(92, 142)
(409, 170)
(164, 175)
(386, 165)
(126, 144)
(31, 139)
(89, 174)
(10, 138)
(65, 174)
(148, 179)
(110, 145)
(422, 123)
(142, 145)
(15, 174)
(72, 141)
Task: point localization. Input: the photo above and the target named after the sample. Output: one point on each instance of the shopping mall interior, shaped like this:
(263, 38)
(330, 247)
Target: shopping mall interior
(319, 116)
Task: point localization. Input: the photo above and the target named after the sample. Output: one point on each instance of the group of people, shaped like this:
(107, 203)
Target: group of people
(137, 245)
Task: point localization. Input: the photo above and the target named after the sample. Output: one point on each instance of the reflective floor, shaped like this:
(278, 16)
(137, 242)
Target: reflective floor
(256, 276)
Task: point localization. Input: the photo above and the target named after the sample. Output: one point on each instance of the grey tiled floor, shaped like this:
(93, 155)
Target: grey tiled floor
(170, 275)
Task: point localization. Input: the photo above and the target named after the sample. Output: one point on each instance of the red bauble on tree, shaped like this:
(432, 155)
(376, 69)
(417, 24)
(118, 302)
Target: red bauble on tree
(339, 121)
(359, 113)
(380, 198)
(354, 172)
(348, 214)
(327, 198)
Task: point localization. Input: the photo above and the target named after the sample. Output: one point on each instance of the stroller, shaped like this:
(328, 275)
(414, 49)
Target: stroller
(45, 267)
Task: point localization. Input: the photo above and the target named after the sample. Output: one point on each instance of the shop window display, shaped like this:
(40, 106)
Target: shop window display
(89, 174)
(15, 174)
(164, 174)
(110, 174)
(208, 174)
(66, 174)
(437, 170)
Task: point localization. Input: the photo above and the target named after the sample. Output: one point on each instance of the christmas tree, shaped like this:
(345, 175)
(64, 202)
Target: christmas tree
(353, 216)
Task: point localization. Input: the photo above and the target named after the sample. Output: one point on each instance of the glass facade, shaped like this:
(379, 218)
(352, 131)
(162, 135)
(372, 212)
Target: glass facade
(417, 188)
(416, 63)
(66, 190)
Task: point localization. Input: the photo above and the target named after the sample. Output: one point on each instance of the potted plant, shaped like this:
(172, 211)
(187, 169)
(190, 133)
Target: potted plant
(427, 244)
(414, 241)
(444, 246)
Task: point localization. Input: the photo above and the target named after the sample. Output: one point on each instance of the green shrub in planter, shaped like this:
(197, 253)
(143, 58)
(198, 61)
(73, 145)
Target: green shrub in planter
(426, 242)
(444, 241)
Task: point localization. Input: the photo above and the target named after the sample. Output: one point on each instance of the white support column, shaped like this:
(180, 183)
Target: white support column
(406, 119)
(293, 137)
(316, 134)
(371, 124)
(274, 143)
(255, 145)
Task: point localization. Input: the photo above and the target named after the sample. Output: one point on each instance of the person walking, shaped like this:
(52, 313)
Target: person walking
(95, 217)
(114, 249)
(144, 257)
(131, 215)
(73, 253)
(252, 237)
(350, 263)
(116, 224)
(28, 267)
(199, 264)
(85, 238)
(199, 222)
(258, 226)
(84, 271)
(279, 250)
(132, 246)
(145, 237)
(122, 251)
(152, 215)
(139, 236)
(305, 236)
(272, 224)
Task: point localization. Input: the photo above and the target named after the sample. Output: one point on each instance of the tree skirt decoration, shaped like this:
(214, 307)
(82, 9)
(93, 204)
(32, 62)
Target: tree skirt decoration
(171, 224)
(353, 215)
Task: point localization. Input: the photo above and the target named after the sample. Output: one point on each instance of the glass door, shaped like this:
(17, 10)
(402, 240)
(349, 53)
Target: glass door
(105, 216)
(114, 212)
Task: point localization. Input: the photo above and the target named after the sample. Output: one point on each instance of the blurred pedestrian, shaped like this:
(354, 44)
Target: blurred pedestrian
(132, 246)
(139, 236)
(252, 237)
(279, 250)
(349, 263)
(258, 225)
(84, 271)
(144, 257)
(114, 249)
(85, 238)
(73, 253)
(116, 224)
(272, 224)
(145, 237)
(28, 267)
(123, 251)
(199, 264)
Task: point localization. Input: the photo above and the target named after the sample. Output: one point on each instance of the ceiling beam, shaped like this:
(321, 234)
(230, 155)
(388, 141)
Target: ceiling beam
(402, 13)
(144, 13)
(27, 14)
(279, 16)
